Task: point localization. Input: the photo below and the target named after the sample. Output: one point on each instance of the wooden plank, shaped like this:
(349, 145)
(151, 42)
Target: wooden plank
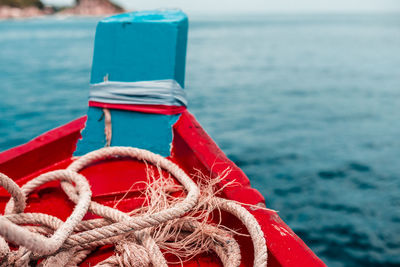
(47, 149)
(138, 46)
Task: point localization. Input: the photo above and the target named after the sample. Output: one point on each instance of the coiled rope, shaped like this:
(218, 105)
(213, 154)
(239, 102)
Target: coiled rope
(179, 225)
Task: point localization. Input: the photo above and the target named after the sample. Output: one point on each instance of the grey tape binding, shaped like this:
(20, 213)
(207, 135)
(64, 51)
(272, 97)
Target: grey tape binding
(158, 92)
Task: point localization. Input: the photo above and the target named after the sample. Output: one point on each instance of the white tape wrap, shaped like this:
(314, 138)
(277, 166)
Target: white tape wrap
(159, 92)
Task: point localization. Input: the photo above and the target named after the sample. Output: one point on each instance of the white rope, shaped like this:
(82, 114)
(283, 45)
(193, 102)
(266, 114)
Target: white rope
(38, 243)
(133, 237)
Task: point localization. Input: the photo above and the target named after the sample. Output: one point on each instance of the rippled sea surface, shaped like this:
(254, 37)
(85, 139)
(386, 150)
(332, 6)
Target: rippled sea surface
(307, 105)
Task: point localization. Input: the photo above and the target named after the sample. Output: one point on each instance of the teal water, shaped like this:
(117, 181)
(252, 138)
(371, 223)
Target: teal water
(308, 106)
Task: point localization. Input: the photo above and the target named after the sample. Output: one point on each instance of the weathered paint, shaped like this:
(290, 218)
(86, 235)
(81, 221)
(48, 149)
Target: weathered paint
(143, 130)
(137, 46)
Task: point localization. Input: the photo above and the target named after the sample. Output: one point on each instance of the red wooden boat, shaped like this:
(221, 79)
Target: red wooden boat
(190, 148)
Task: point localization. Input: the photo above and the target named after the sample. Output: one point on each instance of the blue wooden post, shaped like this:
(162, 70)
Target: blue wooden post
(138, 46)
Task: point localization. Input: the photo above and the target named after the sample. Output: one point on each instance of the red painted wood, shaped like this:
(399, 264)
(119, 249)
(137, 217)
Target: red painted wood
(43, 151)
(192, 149)
(155, 109)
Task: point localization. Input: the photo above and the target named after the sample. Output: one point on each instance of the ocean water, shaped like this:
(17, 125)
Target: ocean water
(307, 105)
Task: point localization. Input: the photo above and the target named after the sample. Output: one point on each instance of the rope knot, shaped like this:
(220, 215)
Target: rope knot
(131, 254)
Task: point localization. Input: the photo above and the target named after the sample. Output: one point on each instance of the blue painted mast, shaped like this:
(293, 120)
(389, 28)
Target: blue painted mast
(133, 47)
